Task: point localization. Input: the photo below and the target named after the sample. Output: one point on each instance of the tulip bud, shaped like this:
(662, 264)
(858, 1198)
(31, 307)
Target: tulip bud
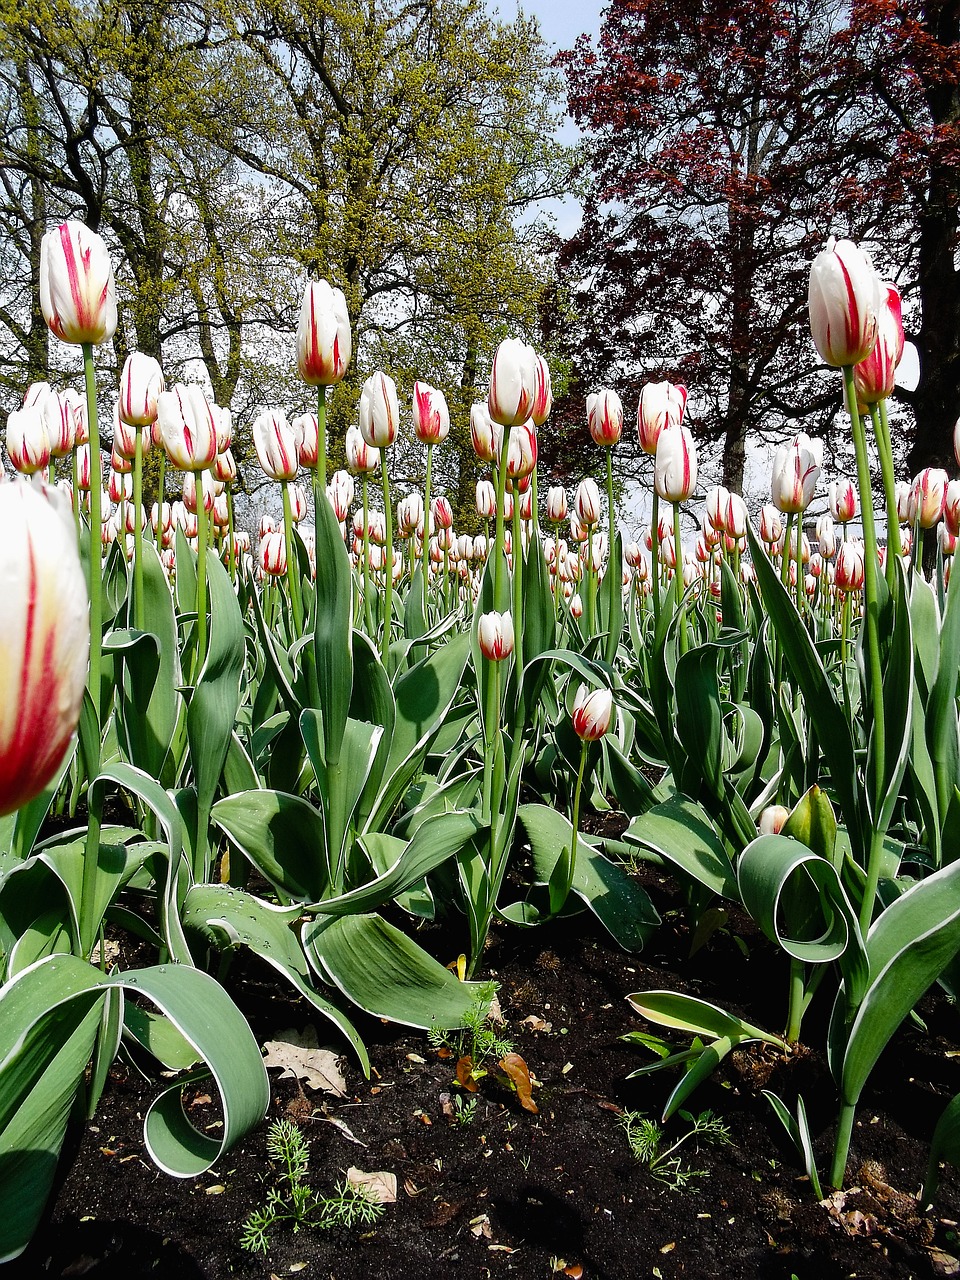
(324, 344)
(77, 292)
(141, 383)
(587, 502)
(605, 417)
(441, 513)
(515, 379)
(61, 420)
(661, 405)
(675, 474)
(410, 513)
(773, 820)
(735, 516)
(307, 430)
(556, 504)
(28, 444)
(495, 635)
(187, 424)
(543, 394)
(946, 540)
(929, 495)
(225, 467)
(521, 451)
(276, 444)
(849, 571)
(951, 507)
(44, 640)
(576, 606)
(431, 417)
(592, 713)
(362, 458)
(873, 377)
(715, 505)
(379, 411)
(796, 469)
(486, 500)
(844, 301)
(484, 434)
(273, 554)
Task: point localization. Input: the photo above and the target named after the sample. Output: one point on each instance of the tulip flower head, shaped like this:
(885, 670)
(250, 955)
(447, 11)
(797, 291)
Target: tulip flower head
(675, 475)
(276, 444)
(379, 411)
(141, 383)
(773, 819)
(306, 427)
(556, 504)
(188, 427)
(516, 378)
(796, 469)
(77, 292)
(44, 639)
(324, 344)
(929, 495)
(484, 434)
(441, 514)
(587, 502)
(28, 444)
(543, 394)
(605, 418)
(951, 507)
(521, 451)
(486, 499)
(662, 404)
(495, 635)
(874, 377)
(592, 713)
(844, 301)
(362, 458)
(849, 571)
(431, 417)
(842, 496)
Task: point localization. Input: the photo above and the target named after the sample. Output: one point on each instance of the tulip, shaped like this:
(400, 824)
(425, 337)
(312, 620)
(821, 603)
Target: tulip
(735, 516)
(715, 505)
(849, 570)
(873, 377)
(605, 418)
(495, 635)
(946, 540)
(410, 513)
(225, 467)
(516, 383)
(141, 383)
(521, 451)
(77, 291)
(844, 301)
(929, 496)
(576, 606)
(592, 713)
(188, 428)
(556, 504)
(796, 469)
(362, 458)
(60, 418)
(298, 501)
(675, 474)
(842, 496)
(772, 820)
(28, 444)
(441, 513)
(486, 500)
(379, 411)
(431, 417)
(951, 507)
(306, 428)
(273, 554)
(903, 495)
(276, 444)
(587, 502)
(44, 639)
(661, 405)
(543, 394)
(484, 434)
(324, 343)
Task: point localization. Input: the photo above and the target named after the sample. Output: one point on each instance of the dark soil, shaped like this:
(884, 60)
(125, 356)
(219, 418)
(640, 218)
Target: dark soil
(511, 1193)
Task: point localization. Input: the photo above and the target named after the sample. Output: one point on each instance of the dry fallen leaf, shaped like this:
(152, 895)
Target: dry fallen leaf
(465, 1074)
(537, 1024)
(300, 1057)
(381, 1187)
(341, 1125)
(519, 1074)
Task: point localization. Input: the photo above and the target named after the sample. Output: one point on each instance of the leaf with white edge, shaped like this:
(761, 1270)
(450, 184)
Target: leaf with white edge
(697, 1017)
(282, 835)
(681, 832)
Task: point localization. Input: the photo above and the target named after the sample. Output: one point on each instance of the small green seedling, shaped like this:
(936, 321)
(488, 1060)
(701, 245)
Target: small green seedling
(646, 1138)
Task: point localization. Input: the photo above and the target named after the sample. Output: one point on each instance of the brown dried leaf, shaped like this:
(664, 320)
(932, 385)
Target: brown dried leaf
(537, 1024)
(519, 1074)
(300, 1057)
(465, 1074)
(575, 1269)
(381, 1187)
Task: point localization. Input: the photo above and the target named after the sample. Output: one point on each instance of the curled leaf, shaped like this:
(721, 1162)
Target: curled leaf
(519, 1074)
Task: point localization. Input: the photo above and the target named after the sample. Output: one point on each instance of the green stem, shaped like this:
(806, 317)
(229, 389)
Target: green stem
(201, 577)
(138, 610)
(678, 579)
(76, 491)
(881, 429)
(591, 586)
(231, 550)
(655, 556)
(425, 554)
(387, 564)
(96, 564)
(517, 575)
(293, 564)
(367, 601)
(842, 1145)
(322, 436)
(797, 1002)
(871, 622)
(562, 878)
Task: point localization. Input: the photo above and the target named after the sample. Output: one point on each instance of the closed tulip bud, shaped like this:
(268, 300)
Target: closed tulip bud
(377, 528)
(119, 486)
(906, 543)
(188, 427)
(844, 301)
(675, 473)
(298, 502)
(605, 418)
(120, 462)
(716, 507)
(340, 494)
(62, 419)
(522, 451)
(556, 504)
(951, 507)
(267, 525)
(276, 444)
(37, 395)
(324, 343)
(130, 517)
(632, 554)
(44, 640)
(587, 502)
(484, 434)
(28, 444)
(543, 394)
(495, 635)
(379, 411)
(796, 469)
(956, 441)
(362, 458)
(903, 494)
(124, 437)
(661, 405)
(508, 506)
(690, 574)
(848, 572)
(441, 513)
(410, 513)
(191, 480)
(592, 713)
(735, 522)
(486, 499)
(526, 505)
(930, 491)
(773, 819)
(946, 540)
(141, 383)
(273, 554)
(576, 605)
(225, 467)
(161, 517)
(306, 428)
(873, 377)
(77, 292)
(431, 417)
(514, 378)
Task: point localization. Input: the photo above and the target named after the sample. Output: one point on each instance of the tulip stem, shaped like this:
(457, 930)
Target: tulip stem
(367, 602)
(678, 580)
(387, 565)
(75, 467)
(881, 429)
(655, 556)
(517, 575)
(231, 549)
(138, 610)
(425, 549)
(591, 586)
(321, 471)
(201, 577)
(874, 668)
(293, 562)
(96, 566)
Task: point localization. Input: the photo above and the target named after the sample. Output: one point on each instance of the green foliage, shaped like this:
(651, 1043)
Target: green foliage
(648, 1143)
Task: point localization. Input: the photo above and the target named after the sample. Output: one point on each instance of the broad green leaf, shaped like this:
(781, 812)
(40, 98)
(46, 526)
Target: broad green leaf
(618, 901)
(813, 822)
(943, 737)
(696, 1017)
(897, 693)
(341, 782)
(681, 831)
(387, 974)
(284, 838)
(372, 700)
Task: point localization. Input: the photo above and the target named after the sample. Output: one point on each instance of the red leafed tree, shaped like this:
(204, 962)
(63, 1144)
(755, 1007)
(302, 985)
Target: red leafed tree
(725, 141)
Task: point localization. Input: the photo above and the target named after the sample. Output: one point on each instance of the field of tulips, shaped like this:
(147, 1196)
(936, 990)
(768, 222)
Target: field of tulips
(349, 750)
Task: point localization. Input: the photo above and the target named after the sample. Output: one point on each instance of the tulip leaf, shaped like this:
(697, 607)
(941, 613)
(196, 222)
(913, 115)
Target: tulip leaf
(944, 1146)
(897, 694)
(283, 837)
(696, 1017)
(384, 972)
(943, 737)
(333, 628)
(681, 832)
